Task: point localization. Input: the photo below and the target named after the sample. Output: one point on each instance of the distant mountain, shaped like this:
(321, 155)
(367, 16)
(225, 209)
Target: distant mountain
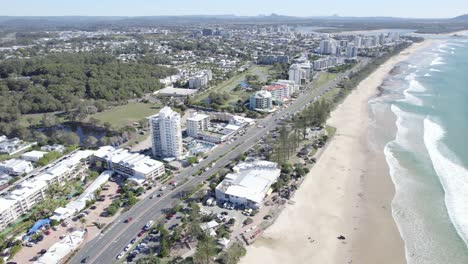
(461, 18)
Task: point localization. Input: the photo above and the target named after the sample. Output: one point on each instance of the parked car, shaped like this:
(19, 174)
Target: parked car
(142, 232)
(120, 255)
(43, 251)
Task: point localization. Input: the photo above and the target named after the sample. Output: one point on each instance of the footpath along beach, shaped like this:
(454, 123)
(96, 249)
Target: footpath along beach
(348, 193)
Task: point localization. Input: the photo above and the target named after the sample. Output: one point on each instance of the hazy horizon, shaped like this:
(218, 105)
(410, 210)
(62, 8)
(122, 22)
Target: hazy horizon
(298, 8)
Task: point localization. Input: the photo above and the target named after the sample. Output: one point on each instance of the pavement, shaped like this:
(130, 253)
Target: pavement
(106, 246)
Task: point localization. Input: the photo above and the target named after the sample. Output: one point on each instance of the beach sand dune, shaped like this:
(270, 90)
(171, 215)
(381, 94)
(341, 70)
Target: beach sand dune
(347, 193)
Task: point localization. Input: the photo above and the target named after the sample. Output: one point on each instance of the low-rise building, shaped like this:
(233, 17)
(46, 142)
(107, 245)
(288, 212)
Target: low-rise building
(33, 156)
(16, 167)
(13, 146)
(213, 137)
(249, 183)
(60, 250)
(55, 147)
(31, 191)
(137, 167)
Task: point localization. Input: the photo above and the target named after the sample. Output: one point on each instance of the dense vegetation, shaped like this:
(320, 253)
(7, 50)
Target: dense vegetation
(67, 82)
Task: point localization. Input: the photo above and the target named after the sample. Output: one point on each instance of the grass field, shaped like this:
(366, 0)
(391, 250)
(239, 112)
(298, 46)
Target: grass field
(323, 78)
(229, 85)
(123, 115)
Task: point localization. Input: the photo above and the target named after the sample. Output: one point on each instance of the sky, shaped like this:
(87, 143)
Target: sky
(394, 8)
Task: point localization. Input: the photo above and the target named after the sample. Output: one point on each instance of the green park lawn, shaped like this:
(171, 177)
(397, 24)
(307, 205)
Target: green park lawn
(128, 114)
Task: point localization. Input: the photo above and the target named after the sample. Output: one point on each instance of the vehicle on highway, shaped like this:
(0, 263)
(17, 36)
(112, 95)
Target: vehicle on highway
(128, 220)
(162, 188)
(152, 196)
(85, 260)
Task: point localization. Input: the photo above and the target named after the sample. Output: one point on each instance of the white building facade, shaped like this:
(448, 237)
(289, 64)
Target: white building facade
(166, 134)
(261, 100)
(197, 123)
(249, 183)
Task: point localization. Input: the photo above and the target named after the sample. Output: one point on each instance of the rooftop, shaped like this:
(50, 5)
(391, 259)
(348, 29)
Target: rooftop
(250, 180)
(138, 162)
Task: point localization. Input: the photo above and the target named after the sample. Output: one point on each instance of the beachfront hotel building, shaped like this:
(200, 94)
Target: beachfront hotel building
(136, 167)
(261, 100)
(166, 134)
(248, 184)
(197, 123)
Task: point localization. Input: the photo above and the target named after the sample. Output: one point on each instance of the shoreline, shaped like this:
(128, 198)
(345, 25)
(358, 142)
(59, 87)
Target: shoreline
(348, 192)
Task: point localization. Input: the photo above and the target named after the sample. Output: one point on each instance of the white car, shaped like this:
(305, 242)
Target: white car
(120, 255)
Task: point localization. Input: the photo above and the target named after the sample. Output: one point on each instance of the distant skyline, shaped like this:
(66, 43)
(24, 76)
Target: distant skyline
(359, 8)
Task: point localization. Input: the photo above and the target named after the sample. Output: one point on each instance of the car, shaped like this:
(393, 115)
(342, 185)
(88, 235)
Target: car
(128, 220)
(127, 247)
(30, 244)
(133, 241)
(47, 232)
(142, 232)
(120, 255)
(152, 196)
(169, 216)
(159, 195)
(85, 260)
(93, 207)
(148, 225)
(43, 251)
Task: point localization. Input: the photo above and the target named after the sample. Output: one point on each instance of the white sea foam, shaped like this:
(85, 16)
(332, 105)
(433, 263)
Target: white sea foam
(437, 61)
(454, 177)
(402, 130)
(434, 70)
(415, 86)
(427, 75)
(457, 45)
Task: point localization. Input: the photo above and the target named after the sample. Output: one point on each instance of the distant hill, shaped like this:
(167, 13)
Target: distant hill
(461, 18)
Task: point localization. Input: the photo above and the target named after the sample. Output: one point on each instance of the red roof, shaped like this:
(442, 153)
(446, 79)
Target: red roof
(273, 87)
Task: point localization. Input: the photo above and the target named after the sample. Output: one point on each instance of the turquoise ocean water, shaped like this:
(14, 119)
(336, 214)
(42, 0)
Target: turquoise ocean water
(421, 124)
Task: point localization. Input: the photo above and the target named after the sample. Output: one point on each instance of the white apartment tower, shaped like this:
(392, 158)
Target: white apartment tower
(197, 123)
(166, 134)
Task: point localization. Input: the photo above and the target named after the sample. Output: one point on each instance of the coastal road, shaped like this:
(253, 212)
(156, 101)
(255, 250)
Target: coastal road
(105, 247)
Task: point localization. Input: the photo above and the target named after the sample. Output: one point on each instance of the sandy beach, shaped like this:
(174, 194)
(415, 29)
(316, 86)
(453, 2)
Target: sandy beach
(348, 193)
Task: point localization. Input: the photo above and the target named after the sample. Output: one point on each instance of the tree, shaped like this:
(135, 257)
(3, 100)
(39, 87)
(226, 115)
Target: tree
(192, 160)
(206, 250)
(149, 260)
(90, 141)
(233, 254)
(112, 210)
(83, 221)
(132, 200)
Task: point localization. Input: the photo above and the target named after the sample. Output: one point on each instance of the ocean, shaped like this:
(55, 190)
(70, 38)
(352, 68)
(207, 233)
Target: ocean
(420, 121)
